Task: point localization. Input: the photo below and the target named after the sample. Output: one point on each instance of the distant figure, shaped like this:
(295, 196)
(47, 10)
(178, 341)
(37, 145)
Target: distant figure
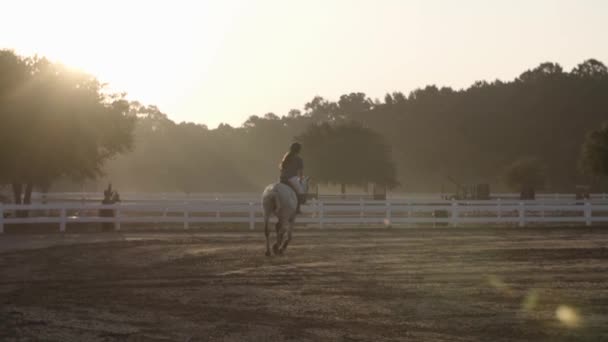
(292, 172)
(115, 197)
(109, 197)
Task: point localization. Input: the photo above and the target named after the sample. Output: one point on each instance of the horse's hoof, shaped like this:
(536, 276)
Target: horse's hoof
(268, 253)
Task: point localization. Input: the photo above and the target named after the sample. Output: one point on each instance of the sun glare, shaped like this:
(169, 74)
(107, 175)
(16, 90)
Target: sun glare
(154, 52)
(213, 61)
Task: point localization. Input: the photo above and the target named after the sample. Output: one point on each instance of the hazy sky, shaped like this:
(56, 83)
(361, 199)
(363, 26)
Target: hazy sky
(221, 61)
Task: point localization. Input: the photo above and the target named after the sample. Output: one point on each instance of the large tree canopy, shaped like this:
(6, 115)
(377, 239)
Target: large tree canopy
(347, 153)
(594, 153)
(55, 122)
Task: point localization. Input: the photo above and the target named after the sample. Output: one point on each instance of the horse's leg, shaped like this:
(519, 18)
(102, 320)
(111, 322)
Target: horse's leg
(289, 230)
(267, 232)
(277, 228)
(280, 232)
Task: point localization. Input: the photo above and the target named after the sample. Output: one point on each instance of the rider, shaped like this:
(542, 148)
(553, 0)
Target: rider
(292, 169)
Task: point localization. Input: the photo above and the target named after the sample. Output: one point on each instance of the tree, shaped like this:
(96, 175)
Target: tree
(319, 109)
(294, 114)
(591, 68)
(594, 152)
(388, 99)
(543, 71)
(347, 154)
(56, 122)
(353, 103)
(525, 175)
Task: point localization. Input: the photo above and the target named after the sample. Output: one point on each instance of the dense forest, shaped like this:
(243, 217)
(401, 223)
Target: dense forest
(471, 135)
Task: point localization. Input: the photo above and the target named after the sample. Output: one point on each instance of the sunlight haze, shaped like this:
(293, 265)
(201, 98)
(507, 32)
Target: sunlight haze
(222, 61)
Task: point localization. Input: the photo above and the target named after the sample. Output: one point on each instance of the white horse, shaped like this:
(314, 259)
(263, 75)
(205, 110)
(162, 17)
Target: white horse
(281, 200)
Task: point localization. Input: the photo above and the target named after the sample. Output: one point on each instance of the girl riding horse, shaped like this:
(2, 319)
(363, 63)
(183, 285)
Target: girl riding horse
(292, 171)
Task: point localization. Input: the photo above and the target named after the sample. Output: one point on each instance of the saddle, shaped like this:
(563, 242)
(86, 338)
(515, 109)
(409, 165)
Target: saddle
(301, 197)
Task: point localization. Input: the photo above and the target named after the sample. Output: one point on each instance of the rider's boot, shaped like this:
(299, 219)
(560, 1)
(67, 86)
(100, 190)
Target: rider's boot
(301, 199)
(298, 211)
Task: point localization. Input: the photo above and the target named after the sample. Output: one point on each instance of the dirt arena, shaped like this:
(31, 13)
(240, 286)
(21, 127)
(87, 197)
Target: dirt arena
(333, 285)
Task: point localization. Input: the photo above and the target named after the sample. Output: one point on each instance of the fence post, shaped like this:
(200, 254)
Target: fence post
(63, 219)
(251, 216)
(588, 214)
(454, 214)
(1, 219)
(186, 218)
(361, 209)
(409, 210)
(522, 219)
(499, 211)
(542, 211)
(321, 214)
(116, 219)
(217, 207)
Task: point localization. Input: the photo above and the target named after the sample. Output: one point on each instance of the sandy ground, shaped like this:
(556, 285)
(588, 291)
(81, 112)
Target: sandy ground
(333, 285)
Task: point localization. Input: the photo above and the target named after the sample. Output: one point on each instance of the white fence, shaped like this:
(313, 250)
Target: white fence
(319, 213)
(159, 197)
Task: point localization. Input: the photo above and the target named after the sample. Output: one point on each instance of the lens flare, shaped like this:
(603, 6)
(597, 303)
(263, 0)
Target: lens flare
(568, 316)
(531, 301)
(498, 283)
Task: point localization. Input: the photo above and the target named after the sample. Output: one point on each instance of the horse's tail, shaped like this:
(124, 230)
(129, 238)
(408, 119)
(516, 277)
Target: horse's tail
(270, 201)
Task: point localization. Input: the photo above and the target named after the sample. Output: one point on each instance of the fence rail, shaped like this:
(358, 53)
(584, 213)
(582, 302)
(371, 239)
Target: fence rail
(318, 212)
(139, 197)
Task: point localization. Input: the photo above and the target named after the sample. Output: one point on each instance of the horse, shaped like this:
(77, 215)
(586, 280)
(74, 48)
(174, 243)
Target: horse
(281, 200)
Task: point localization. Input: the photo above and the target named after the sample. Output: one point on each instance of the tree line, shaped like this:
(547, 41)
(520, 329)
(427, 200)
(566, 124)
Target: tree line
(412, 141)
(473, 135)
